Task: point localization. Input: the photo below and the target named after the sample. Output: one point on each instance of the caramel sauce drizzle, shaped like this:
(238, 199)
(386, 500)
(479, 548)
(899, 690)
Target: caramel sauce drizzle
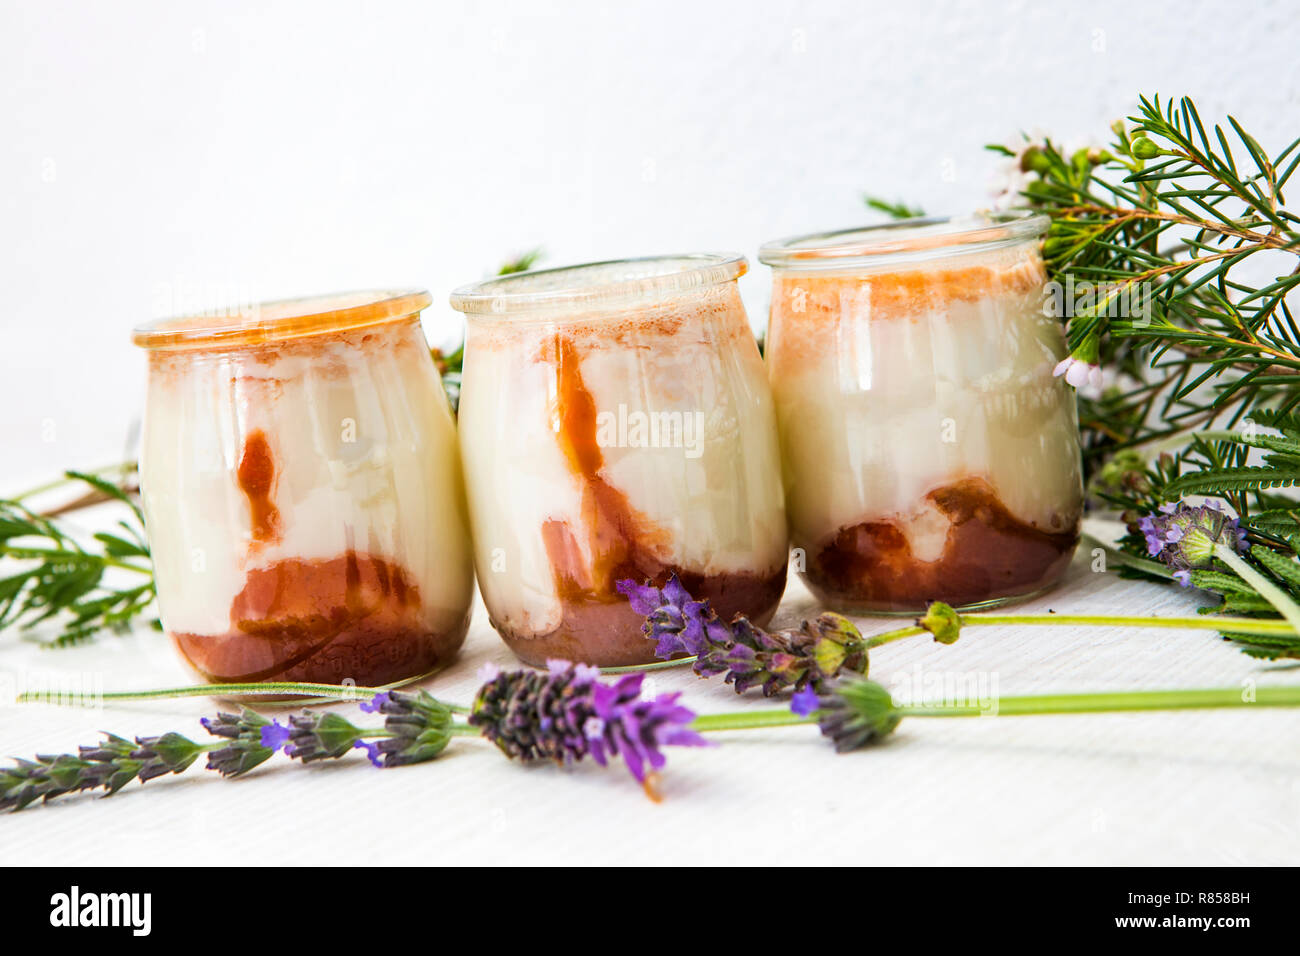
(616, 532)
(256, 476)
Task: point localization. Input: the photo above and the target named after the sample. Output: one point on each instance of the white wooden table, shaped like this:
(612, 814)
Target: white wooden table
(1178, 788)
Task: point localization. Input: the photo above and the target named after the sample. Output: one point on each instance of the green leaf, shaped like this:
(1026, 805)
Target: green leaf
(1284, 569)
(1217, 481)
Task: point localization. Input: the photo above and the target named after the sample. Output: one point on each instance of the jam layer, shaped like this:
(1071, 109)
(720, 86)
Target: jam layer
(988, 554)
(352, 617)
(607, 632)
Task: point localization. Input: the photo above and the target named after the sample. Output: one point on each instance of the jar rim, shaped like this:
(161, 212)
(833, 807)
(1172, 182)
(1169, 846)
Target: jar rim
(281, 319)
(920, 238)
(598, 284)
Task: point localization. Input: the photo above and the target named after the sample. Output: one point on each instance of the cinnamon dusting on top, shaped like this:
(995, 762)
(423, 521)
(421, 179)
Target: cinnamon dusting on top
(809, 307)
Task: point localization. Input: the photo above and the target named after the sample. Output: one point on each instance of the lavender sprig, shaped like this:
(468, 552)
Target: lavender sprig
(567, 713)
(245, 749)
(421, 727)
(749, 656)
(109, 765)
(855, 714)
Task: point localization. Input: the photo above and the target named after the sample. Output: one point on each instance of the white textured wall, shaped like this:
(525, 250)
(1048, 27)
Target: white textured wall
(156, 152)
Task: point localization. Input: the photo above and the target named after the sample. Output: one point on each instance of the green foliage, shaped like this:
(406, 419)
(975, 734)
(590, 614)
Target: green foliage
(1181, 237)
(60, 580)
(894, 210)
(1173, 227)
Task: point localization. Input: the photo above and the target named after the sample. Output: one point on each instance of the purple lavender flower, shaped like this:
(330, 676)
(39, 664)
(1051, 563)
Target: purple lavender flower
(681, 626)
(275, 735)
(1185, 537)
(567, 714)
(804, 702)
(372, 751)
(748, 655)
(375, 704)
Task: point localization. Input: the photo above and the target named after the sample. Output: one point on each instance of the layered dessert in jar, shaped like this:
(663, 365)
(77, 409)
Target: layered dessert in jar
(928, 451)
(301, 485)
(616, 423)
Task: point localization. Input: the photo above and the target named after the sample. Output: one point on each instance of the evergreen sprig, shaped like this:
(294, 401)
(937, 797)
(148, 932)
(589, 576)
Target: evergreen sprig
(57, 578)
(1182, 256)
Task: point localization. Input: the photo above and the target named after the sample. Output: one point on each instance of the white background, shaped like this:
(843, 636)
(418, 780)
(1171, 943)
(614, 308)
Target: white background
(155, 157)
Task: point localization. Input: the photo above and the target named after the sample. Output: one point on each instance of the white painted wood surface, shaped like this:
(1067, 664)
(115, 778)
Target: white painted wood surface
(1198, 787)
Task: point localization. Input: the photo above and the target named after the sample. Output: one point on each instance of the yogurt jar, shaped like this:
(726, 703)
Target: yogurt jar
(616, 423)
(928, 451)
(301, 485)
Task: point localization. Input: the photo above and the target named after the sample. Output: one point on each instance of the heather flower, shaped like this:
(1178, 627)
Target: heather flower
(746, 654)
(1017, 170)
(567, 714)
(1185, 537)
(1079, 372)
(245, 750)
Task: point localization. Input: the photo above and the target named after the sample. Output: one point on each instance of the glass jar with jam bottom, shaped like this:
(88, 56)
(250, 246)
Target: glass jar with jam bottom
(616, 423)
(301, 484)
(928, 451)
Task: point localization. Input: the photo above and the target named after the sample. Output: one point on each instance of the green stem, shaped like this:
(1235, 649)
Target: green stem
(79, 557)
(749, 719)
(1275, 596)
(657, 666)
(1034, 705)
(1244, 625)
(296, 688)
(1115, 702)
(1121, 557)
(888, 637)
(123, 468)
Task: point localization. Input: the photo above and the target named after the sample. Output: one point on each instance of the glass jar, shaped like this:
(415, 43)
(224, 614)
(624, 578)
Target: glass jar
(616, 423)
(302, 492)
(928, 451)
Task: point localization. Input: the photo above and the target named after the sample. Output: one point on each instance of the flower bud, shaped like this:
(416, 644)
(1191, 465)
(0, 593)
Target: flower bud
(1144, 148)
(943, 622)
